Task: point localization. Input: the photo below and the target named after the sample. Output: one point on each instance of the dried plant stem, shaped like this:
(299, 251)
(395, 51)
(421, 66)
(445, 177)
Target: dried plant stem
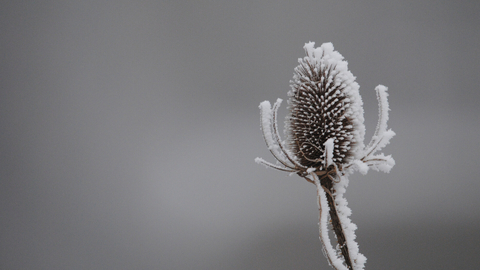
(325, 185)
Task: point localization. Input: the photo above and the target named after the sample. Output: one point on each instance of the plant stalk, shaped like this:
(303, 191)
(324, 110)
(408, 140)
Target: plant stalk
(326, 183)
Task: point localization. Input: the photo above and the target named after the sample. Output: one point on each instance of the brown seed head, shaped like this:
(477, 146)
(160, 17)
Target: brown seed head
(323, 105)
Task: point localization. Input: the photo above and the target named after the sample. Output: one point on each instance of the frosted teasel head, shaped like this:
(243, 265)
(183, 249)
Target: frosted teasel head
(324, 125)
(324, 103)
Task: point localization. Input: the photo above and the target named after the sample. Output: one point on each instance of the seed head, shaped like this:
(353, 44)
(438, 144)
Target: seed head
(324, 102)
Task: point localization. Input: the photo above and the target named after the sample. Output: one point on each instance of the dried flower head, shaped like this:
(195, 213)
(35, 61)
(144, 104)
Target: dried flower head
(325, 134)
(324, 103)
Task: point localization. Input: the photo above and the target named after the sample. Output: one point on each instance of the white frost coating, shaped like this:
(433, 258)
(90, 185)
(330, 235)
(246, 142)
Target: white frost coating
(323, 226)
(329, 152)
(381, 162)
(272, 166)
(379, 140)
(343, 211)
(381, 137)
(268, 134)
(361, 166)
(284, 151)
(268, 120)
(266, 115)
(383, 109)
(387, 165)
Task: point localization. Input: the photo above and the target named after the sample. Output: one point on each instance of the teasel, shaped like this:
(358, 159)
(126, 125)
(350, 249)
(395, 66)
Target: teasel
(324, 143)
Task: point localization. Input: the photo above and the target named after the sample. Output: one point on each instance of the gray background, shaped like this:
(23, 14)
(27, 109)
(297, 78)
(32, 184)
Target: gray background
(129, 129)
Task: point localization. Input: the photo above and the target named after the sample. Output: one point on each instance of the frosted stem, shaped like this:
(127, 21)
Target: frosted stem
(326, 207)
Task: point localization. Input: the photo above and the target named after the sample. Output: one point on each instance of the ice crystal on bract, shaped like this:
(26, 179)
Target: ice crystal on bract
(325, 134)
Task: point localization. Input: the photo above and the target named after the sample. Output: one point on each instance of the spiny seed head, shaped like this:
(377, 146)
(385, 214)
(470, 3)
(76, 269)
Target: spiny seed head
(324, 102)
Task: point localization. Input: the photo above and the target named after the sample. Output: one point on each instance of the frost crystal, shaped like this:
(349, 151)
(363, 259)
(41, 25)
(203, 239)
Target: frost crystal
(325, 134)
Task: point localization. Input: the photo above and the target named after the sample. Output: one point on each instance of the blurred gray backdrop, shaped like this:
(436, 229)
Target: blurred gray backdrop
(128, 131)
